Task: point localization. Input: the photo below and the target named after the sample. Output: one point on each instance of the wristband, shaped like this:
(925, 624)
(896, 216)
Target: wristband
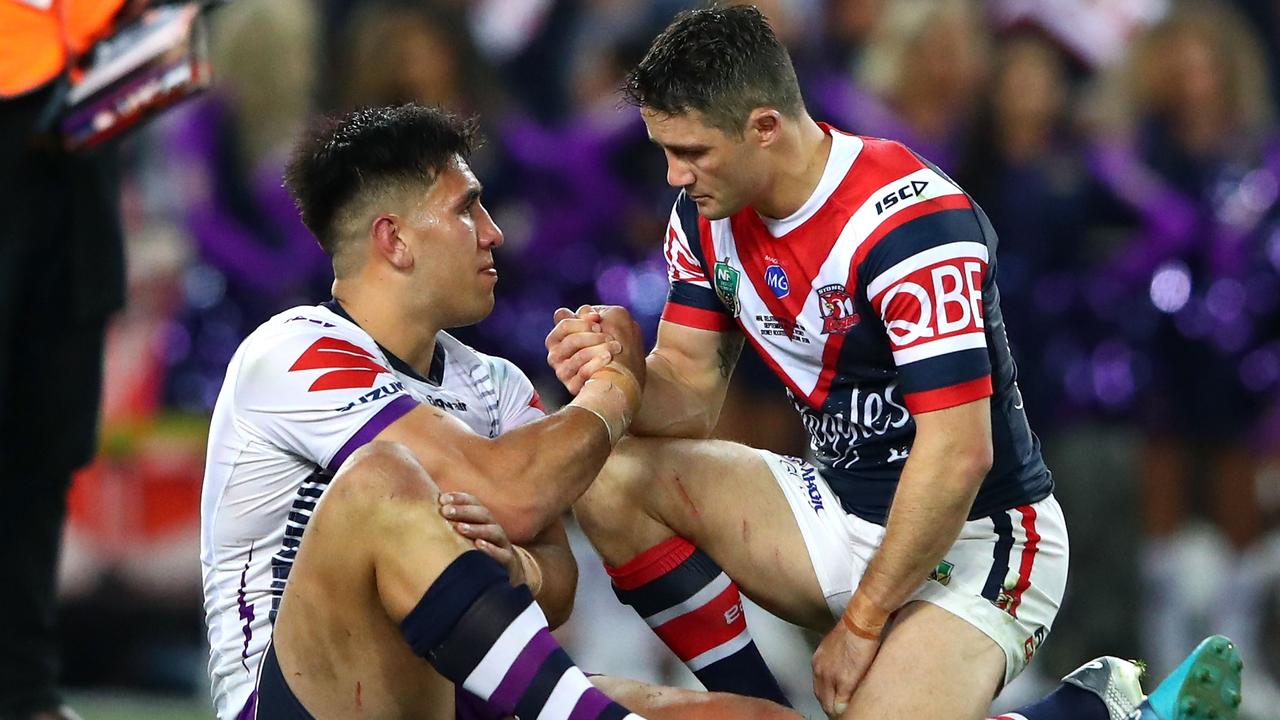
(864, 618)
(607, 429)
(624, 381)
(532, 570)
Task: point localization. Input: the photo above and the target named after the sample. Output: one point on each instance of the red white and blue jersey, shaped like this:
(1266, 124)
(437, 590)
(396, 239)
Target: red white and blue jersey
(303, 392)
(873, 302)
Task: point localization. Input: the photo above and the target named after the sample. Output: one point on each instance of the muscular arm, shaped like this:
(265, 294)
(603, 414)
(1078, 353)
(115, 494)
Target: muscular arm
(527, 477)
(949, 459)
(687, 378)
(559, 573)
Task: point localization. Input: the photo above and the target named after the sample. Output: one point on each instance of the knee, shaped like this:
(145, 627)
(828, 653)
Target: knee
(618, 488)
(380, 473)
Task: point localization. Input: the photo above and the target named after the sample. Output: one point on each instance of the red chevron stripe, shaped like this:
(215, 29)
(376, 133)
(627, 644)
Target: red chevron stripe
(353, 366)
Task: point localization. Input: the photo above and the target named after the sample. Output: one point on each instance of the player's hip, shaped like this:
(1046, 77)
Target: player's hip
(1005, 573)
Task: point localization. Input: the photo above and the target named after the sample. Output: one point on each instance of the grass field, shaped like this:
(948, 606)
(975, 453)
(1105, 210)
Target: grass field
(129, 706)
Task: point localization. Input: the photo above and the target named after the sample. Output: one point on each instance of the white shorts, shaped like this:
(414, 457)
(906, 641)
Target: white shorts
(1005, 575)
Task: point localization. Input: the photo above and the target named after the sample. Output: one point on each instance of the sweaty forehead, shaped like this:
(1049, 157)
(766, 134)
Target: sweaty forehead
(454, 180)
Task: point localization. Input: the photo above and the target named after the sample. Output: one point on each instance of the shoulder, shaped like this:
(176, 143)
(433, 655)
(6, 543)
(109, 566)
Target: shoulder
(302, 340)
(905, 202)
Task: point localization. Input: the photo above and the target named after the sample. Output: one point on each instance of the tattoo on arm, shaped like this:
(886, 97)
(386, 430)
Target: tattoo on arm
(728, 352)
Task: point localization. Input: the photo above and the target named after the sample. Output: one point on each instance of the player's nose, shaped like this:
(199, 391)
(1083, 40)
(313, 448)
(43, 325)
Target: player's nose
(678, 174)
(487, 231)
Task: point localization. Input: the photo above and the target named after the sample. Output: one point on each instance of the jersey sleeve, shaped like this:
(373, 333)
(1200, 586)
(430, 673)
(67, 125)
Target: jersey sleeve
(691, 302)
(925, 277)
(317, 392)
(518, 401)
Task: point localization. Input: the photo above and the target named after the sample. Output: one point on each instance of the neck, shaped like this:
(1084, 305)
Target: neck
(407, 334)
(794, 182)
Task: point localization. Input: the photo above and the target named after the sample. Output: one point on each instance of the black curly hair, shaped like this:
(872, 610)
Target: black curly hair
(723, 62)
(345, 159)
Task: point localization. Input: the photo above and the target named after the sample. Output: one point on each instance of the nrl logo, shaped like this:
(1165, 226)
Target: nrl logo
(726, 286)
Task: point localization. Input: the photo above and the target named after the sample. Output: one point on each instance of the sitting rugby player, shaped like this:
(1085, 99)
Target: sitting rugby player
(367, 473)
(866, 279)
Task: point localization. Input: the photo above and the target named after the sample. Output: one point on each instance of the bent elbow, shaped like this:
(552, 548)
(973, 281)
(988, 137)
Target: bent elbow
(978, 461)
(558, 612)
(522, 528)
(527, 518)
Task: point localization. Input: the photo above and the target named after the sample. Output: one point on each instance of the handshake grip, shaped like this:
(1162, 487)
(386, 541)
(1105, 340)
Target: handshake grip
(598, 354)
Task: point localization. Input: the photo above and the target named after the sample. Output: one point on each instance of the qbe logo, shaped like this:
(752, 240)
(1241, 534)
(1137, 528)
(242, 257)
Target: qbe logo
(935, 301)
(776, 278)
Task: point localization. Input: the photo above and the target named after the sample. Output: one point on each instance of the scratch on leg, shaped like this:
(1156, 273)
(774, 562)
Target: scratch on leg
(688, 500)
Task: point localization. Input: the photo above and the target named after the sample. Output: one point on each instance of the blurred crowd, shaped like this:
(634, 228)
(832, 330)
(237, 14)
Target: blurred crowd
(1127, 152)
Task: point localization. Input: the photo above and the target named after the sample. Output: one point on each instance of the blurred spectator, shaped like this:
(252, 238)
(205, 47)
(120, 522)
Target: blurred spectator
(1196, 162)
(846, 25)
(397, 52)
(1095, 32)
(1023, 170)
(254, 257)
(918, 80)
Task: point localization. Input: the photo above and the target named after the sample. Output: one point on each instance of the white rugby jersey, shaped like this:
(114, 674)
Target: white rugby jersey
(303, 392)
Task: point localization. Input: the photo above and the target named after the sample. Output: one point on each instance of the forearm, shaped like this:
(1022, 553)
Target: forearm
(686, 403)
(933, 499)
(555, 574)
(673, 406)
(527, 477)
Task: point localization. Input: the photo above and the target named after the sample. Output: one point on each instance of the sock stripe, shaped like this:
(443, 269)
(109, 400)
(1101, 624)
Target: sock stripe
(720, 652)
(714, 589)
(499, 654)
(544, 682)
(507, 656)
(678, 584)
(710, 626)
(1029, 549)
(565, 696)
(469, 577)
(523, 669)
(591, 705)
(695, 608)
(651, 564)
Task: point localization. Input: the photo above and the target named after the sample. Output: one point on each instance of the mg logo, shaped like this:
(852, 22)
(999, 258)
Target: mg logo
(776, 278)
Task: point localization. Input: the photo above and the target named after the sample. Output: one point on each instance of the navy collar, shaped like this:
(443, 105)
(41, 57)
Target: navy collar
(436, 374)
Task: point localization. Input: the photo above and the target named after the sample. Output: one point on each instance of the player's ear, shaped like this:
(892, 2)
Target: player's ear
(387, 243)
(764, 125)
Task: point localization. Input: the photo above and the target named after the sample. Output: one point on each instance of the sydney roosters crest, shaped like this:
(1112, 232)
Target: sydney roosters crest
(836, 306)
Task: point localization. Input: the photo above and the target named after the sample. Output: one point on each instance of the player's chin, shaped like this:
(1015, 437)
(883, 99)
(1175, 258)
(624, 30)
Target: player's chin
(712, 210)
(483, 305)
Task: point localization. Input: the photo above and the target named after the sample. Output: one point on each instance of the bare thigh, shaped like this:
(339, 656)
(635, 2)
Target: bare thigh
(932, 665)
(658, 702)
(339, 649)
(720, 496)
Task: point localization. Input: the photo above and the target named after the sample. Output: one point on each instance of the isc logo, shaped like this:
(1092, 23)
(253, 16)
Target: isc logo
(947, 298)
(893, 197)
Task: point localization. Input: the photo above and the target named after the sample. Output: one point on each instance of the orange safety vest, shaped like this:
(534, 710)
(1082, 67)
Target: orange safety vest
(38, 38)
